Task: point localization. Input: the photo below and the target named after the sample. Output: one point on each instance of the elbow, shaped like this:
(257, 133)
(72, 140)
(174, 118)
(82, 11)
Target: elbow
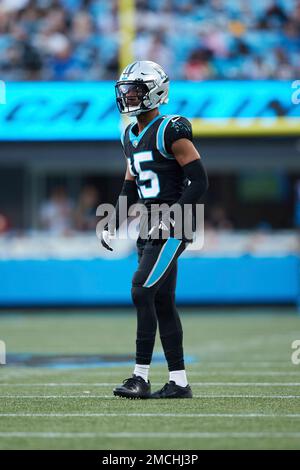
(206, 184)
(202, 186)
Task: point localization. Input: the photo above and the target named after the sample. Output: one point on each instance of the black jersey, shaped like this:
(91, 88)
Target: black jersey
(158, 175)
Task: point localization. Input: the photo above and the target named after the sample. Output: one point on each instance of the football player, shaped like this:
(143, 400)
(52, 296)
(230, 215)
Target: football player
(161, 159)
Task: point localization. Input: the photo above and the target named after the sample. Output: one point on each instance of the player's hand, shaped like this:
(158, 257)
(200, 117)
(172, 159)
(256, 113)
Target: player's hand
(106, 237)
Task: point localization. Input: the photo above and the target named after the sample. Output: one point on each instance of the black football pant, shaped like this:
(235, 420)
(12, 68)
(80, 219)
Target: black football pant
(153, 294)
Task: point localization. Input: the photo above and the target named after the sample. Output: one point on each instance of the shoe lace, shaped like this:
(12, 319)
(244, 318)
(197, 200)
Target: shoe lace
(165, 387)
(129, 381)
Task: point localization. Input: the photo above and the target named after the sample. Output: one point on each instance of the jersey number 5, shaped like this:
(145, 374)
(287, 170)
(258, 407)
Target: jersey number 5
(148, 180)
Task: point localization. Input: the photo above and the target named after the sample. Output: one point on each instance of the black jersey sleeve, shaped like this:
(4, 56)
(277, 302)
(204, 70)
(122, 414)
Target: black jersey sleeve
(178, 128)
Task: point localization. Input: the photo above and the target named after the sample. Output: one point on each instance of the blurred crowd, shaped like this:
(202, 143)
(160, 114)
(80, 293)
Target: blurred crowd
(193, 40)
(61, 215)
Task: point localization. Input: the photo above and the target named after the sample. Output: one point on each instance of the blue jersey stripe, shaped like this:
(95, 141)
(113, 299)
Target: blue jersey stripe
(163, 261)
(160, 137)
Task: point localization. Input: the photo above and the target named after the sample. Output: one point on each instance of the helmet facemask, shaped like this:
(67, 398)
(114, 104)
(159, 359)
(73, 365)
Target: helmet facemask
(133, 96)
(143, 85)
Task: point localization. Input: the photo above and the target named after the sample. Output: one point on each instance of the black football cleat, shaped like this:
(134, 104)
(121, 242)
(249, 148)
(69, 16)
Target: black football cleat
(171, 390)
(134, 387)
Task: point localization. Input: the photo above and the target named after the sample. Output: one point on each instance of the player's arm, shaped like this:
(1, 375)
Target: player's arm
(129, 190)
(179, 145)
(128, 175)
(189, 159)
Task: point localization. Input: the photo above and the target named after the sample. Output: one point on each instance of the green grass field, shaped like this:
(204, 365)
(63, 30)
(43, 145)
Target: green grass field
(246, 389)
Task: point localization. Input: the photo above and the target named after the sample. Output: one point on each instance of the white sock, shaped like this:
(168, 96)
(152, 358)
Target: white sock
(179, 377)
(142, 370)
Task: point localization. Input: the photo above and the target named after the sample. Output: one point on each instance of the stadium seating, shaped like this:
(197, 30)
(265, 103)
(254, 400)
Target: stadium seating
(196, 40)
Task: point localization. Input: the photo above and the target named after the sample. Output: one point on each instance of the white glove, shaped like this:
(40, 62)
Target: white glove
(163, 228)
(106, 237)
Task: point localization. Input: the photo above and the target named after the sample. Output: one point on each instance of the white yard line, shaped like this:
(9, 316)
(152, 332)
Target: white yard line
(111, 384)
(155, 415)
(247, 384)
(152, 435)
(249, 374)
(237, 364)
(154, 373)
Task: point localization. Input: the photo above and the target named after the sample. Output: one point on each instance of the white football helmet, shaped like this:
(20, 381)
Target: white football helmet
(142, 86)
